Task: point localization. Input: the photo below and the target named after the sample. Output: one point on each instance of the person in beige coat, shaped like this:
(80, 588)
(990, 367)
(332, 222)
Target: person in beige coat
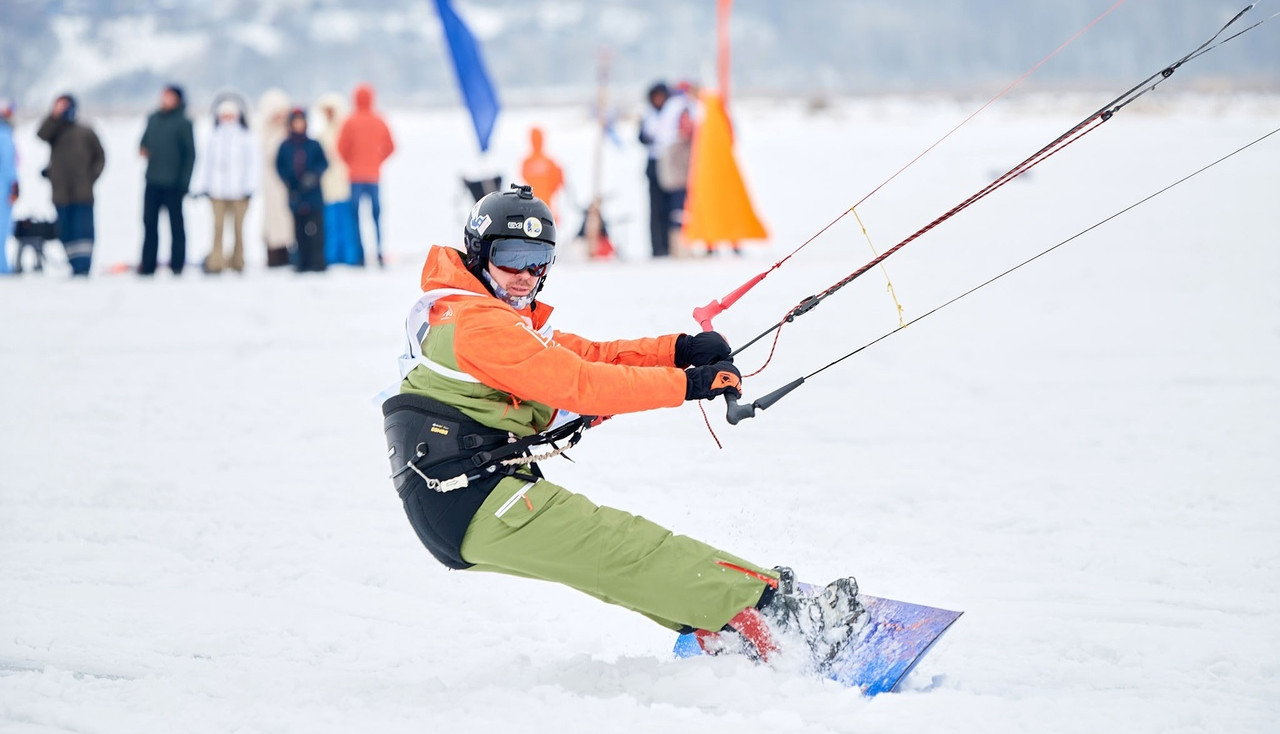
(341, 241)
(277, 220)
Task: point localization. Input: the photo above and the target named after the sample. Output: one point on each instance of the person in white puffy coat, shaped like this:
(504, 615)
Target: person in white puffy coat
(229, 172)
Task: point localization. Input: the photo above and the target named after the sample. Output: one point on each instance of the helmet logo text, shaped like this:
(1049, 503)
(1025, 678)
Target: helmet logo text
(480, 223)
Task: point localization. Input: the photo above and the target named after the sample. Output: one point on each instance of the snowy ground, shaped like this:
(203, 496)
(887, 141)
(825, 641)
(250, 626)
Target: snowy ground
(197, 533)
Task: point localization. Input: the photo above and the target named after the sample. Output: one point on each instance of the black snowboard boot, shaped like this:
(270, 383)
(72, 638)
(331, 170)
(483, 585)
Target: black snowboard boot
(825, 621)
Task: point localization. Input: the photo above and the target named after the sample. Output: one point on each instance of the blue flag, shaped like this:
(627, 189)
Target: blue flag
(477, 90)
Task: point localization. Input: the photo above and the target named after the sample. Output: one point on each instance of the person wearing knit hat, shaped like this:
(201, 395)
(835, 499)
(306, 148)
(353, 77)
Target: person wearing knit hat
(300, 162)
(228, 172)
(228, 109)
(169, 145)
(76, 160)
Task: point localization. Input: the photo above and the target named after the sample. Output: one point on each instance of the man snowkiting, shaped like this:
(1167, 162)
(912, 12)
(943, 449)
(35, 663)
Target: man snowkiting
(485, 378)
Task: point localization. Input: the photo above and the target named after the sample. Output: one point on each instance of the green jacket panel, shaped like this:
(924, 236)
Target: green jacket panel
(484, 404)
(171, 149)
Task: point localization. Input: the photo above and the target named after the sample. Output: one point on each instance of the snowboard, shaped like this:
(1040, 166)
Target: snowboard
(896, 637)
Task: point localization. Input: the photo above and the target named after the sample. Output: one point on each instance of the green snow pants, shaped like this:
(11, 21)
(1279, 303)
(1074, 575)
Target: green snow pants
(543, 531)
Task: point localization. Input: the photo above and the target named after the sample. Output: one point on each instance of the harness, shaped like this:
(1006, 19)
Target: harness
(448, 450)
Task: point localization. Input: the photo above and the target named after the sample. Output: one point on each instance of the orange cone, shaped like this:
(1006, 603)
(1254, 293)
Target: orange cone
(718, 208)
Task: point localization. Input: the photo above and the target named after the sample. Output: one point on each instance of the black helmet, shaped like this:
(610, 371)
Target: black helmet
(515, 214)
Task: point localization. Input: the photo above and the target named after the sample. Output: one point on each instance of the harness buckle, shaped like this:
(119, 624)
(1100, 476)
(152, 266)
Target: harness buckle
(449, 485)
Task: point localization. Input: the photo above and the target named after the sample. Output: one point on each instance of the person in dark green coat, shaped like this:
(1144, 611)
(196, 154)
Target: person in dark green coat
(169, 146)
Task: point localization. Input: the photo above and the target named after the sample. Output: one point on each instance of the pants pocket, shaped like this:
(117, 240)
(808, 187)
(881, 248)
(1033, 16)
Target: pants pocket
(520, 501)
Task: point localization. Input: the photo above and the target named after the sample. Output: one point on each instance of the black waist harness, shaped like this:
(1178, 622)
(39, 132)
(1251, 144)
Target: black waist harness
(444, 465)
(439, 445)
(439, 463)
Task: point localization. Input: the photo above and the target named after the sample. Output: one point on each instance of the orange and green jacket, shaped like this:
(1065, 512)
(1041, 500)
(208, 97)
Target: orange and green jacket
(509, 370)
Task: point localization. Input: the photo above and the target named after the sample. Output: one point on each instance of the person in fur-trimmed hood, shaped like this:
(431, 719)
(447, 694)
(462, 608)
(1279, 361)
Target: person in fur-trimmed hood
(228, 173)
(277, 220)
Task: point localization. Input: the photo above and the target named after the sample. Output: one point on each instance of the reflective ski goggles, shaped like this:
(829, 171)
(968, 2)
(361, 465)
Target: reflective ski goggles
(515, 256)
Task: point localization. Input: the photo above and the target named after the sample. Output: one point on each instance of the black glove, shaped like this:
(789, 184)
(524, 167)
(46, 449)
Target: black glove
(712, 380)
(695, 350)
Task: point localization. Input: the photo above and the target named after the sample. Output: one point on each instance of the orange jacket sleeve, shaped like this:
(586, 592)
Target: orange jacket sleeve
(495, 345)
(652, 352)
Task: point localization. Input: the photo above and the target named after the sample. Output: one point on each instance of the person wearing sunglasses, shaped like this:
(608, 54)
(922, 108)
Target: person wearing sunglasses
(484, 371)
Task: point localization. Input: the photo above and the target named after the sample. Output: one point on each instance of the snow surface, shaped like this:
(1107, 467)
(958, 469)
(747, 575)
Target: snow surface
(197, 533)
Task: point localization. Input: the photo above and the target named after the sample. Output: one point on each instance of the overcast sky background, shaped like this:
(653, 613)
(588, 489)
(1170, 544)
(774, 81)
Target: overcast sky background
(115, 55)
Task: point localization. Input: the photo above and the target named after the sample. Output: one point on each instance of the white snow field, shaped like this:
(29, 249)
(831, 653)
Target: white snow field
(197, 532)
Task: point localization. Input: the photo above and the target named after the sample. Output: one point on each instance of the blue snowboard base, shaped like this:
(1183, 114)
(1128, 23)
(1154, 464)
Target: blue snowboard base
(897, 635)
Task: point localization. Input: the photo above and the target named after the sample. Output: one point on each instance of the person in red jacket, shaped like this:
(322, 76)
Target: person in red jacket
(365, 143)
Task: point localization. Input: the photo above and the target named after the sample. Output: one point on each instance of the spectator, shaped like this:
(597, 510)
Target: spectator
(8, 180)
(169, 146)
(76, 161)
(300, 163)
(673, 139)
(228, 174)
(277, 220)
(659, 216)
(341, 239)
(542, 173)
(364, 144)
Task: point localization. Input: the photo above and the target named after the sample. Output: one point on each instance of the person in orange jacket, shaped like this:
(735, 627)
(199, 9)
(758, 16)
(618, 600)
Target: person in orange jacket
(365, 143)
(486, 374)
(542, 173)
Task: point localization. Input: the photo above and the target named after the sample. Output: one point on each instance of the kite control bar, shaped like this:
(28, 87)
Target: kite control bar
(736, 411)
